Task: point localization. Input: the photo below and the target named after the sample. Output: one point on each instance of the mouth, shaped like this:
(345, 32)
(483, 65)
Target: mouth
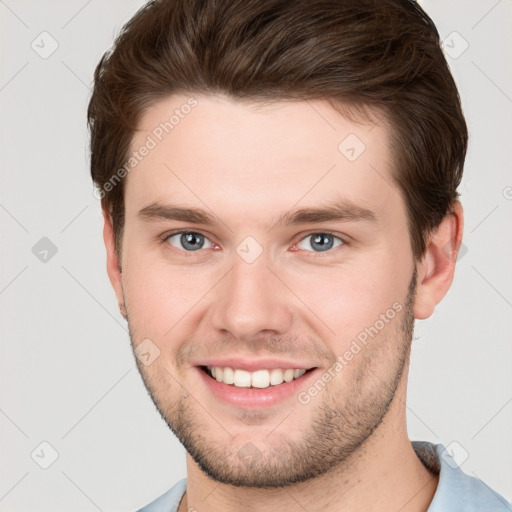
(249, 383)
(258, 379)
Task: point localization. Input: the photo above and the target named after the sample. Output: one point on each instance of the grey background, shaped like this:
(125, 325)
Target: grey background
(68, 376)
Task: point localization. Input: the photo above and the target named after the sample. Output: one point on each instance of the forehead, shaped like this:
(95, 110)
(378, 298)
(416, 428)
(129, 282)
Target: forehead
(255, 158)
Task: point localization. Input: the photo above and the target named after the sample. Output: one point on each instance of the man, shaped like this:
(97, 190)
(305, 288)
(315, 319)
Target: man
(279, 188)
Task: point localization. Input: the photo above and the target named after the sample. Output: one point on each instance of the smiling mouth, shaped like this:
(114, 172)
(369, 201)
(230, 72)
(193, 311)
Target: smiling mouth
(258, 379)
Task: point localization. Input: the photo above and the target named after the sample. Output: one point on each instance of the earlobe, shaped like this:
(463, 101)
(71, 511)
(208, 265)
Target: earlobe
(437, 266)
(113, 263)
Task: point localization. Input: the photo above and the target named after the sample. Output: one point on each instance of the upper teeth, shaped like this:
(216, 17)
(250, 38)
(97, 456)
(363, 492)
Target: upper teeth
(257, 379)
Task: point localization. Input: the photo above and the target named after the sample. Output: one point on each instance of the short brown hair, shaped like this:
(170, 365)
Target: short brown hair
(384, 54)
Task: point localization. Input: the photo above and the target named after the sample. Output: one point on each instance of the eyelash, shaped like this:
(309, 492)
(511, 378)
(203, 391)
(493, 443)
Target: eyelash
(166, 236)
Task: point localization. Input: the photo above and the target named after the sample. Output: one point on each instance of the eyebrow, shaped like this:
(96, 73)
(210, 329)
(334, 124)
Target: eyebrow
(341, 211)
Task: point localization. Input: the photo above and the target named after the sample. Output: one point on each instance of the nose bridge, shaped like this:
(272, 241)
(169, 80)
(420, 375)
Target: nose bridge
(251, 299)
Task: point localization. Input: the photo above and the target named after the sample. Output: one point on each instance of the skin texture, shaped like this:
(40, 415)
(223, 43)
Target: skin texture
(247, 164)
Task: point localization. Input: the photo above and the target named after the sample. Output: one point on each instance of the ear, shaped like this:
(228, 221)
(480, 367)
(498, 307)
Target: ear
(437, 266)
(113, 263)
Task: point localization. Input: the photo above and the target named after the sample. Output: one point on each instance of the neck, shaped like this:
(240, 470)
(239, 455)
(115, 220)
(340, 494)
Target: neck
(385, 469)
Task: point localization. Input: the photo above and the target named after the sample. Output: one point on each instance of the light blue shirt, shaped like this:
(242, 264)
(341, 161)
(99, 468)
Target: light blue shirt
(456, 491)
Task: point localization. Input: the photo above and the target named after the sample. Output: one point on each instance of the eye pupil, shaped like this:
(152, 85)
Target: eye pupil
(320, 239)
(192, 241)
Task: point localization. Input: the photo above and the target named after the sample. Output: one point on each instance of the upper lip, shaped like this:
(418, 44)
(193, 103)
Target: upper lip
(252, 364)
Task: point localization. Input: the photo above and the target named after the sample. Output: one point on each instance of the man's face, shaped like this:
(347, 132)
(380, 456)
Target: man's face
(250, 293)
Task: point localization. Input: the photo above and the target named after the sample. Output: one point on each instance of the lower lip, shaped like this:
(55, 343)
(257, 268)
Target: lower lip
(256, 398)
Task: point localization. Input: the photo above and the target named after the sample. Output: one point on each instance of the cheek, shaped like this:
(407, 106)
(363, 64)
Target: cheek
(339, 302)
(345, 301)
(160, 297)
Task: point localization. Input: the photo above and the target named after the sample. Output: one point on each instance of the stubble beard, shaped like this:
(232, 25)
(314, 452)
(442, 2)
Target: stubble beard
(334, 438)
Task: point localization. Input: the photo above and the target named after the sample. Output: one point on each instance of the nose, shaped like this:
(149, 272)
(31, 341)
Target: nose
(252, 302)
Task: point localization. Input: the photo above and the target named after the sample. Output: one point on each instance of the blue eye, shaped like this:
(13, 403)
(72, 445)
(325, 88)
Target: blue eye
(189, 241)
(321, 242)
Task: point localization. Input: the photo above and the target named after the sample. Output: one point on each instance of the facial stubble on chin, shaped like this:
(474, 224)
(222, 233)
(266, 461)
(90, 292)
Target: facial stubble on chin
(336, 434)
